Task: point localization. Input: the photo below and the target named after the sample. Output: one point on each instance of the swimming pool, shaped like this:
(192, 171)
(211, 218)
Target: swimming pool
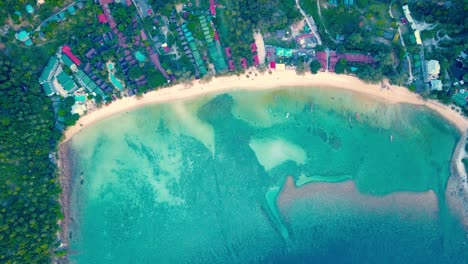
(116, 82)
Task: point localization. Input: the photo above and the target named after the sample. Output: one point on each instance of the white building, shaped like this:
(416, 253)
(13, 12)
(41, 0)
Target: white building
(433, 69)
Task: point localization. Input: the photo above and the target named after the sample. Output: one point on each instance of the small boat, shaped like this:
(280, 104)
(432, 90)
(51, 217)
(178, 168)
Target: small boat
(391, 138)
(357, 116)
(276, 98)
(269, 110)
(287, 115)
(311, 108)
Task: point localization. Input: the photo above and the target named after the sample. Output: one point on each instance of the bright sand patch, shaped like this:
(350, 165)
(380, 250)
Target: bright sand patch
(186, 122)
(273, 152)
(347, 193)
(264, 82)
(260, 47)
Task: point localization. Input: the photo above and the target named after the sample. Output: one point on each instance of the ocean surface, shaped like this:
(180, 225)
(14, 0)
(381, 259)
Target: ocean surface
(283, 176)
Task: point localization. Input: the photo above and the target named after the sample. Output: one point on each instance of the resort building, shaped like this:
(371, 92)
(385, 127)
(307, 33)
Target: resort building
(66, 81)
(433, 69)
(29, 9)
(280, 66)
(67, 51)
(47, 76)
(23, 36)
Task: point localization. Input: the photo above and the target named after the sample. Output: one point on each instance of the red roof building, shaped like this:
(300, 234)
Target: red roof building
(322, 58)
(272, 65)
(255, 60)
(166, 49)
(244, 63)
(253, 46)
(349, 57)
(228, 52)
(128, 2)
(66, 49)
(231, 65)
(212, 8)
(216, 35)
(102, 18)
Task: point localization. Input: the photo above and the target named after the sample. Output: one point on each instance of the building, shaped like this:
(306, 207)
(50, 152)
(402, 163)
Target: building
(280, 66)
(67, 51)
(102, 18)
(256, 62)
(23, 36)
(231, 65)
(322, 58)
(244, 63)
(433, 69)
(272, 65)
(29, 9)
(71, 9)
(47, 76)
(67, 82)
(287, 53)
(212, 8)
(49, 70)
(436, 85)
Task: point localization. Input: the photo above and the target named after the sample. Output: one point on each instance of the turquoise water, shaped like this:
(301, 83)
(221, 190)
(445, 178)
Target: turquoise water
(116, 82)
(297, 176)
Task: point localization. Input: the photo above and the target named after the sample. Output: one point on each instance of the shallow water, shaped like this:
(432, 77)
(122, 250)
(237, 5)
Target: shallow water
(204, 181)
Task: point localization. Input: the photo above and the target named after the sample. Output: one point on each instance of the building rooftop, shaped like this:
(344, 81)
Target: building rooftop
(48, 88)
(66, 49)
(29, 9)
(71, 9)
(436, 85)
(66, 81)
(23, 35)
(102, 18)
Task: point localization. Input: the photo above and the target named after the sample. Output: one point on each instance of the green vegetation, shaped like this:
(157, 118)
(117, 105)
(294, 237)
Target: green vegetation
(315, 66)
(29, 188)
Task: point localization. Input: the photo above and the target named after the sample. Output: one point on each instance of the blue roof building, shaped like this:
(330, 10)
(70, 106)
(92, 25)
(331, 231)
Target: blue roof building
(18, 13)
(71, 10)
(23, 36)
(29, 9)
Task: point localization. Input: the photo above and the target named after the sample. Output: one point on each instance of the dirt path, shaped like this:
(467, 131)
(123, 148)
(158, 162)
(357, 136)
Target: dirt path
(410, 70)
(260, 47)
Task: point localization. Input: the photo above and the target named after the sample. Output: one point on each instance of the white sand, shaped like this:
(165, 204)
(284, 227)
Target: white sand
(272, 152)
(261, 52)
(264, 82)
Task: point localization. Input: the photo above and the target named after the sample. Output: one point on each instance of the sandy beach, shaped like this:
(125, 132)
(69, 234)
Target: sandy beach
(264, 81)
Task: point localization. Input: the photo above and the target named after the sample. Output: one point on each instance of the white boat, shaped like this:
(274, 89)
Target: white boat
(287, 115)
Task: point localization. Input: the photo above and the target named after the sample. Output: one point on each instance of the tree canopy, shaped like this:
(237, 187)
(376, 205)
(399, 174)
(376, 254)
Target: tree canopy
(28, 184)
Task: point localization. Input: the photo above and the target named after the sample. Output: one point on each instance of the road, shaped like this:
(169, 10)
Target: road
(61, 10)
(410, 71)
(311, 25)
(319, 9)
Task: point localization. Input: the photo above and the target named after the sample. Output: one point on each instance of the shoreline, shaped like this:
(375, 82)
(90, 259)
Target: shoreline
(65, 180)
(266, 81)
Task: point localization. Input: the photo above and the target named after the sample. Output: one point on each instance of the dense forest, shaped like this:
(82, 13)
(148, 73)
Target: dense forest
(29, 188)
